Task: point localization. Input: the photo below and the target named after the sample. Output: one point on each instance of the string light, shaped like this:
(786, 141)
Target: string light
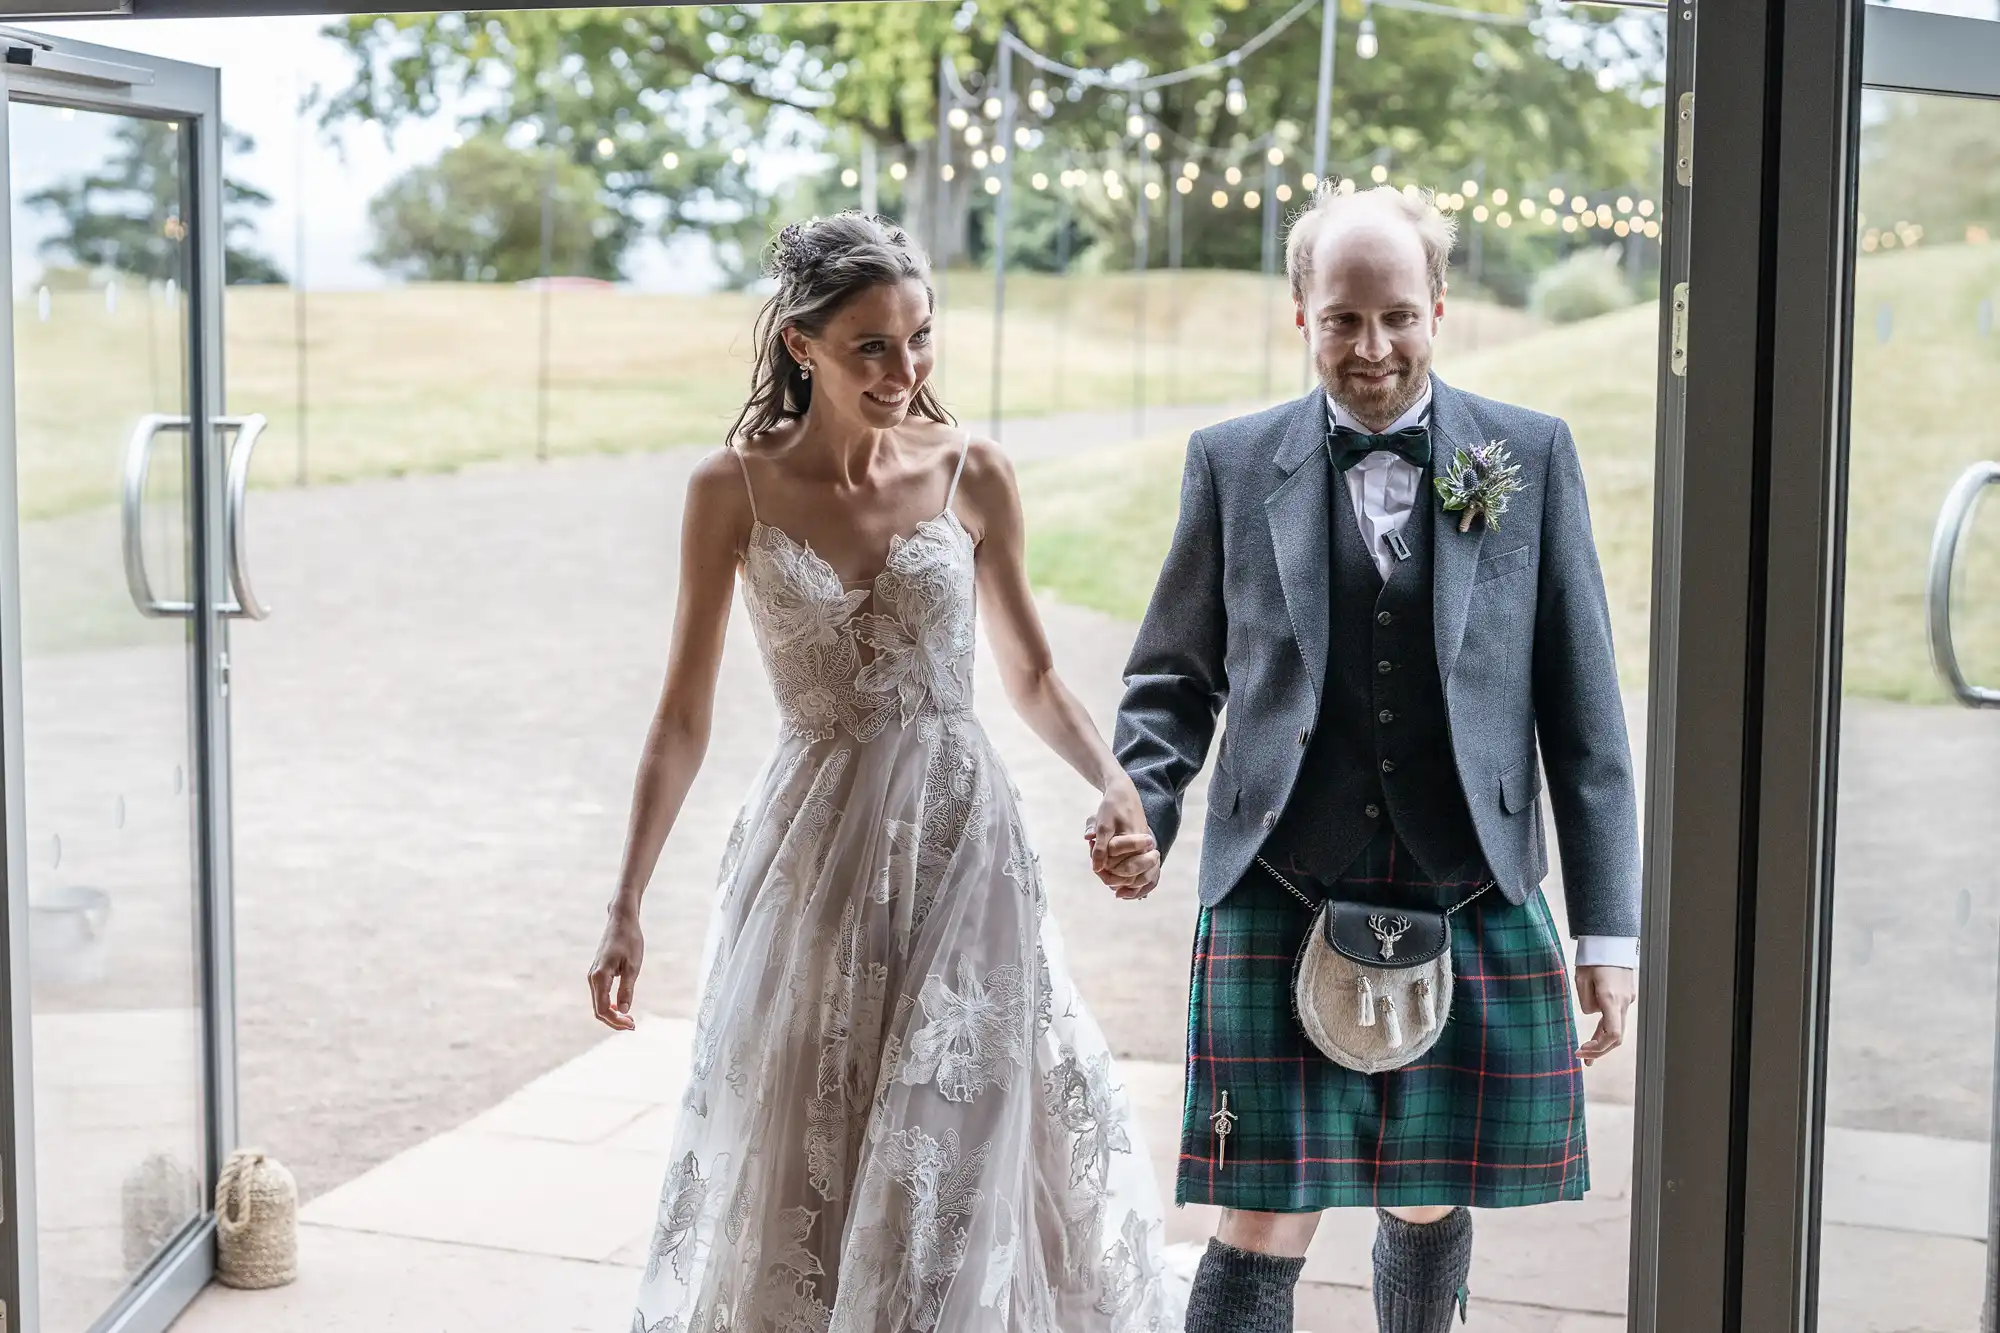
(1284, 193)
(1251, 199)
(1504, 221)
(957, 119)
(1479, 213)
(672, 160)
(1577, 205)
(1276, 157)
(1135, 125)
(1114, 189)
(1528, 209)
(1110, 179)
(1023, 136)
(1645, 208)
(1471, 190)
(948, 172)
(979, 160)
(1233, 176)
(1569, 223)
(1365, 45)
(1549, 218)
(1556, 197)
(1622, 227)
(850, 178)
(992, 108)
(1624, 203)
(1234, 98)
(604, 147)
(999, 152)
(1500, 198)
(898, 171)
(1604, 215)
(1153, 190)
(1378, 173)
(1040, 181)
(1310, 181)
(992, 185)
(740, 157)
(1153, 142)
(1184, 185)
(1220, 199)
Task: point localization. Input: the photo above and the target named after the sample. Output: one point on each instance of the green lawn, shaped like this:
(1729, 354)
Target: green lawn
(1927, 404)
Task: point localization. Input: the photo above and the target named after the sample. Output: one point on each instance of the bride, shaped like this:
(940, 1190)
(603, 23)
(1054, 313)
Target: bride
(901, 1115)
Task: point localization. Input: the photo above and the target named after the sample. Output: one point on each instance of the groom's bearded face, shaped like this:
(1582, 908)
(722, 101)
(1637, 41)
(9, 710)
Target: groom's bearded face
(1370, 317)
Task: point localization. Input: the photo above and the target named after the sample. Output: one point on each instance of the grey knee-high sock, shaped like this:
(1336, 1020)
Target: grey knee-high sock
(1420, 1272)
(1239, 1291)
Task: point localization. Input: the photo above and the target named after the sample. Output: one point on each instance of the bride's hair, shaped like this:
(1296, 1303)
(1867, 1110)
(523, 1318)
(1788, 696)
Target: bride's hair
(819, 266)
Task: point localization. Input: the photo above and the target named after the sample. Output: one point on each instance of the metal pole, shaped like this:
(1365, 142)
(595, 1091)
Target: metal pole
(548, 247)
(1173, 278)
(1062, 285)
(1141, 218)
(1005, 147)
(1329, 15)
(868, 192)
(1269, 260)
(299, 261)
(940, 252)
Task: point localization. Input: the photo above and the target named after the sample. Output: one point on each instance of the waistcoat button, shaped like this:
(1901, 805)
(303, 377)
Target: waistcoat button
(1385, 717)
(1388, 766)
(1270, 819)
(1383, 617)
(1373, 812)
(1384, 668)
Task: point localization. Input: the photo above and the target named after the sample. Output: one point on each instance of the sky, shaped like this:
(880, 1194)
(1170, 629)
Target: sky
(267, 65)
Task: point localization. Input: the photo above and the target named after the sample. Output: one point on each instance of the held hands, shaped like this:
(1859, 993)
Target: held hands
(615, 970)
(1122, 851)
(1607, 992)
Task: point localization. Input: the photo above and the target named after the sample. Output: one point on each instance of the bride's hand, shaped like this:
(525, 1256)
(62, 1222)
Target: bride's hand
(1122, 851)
(615, 970)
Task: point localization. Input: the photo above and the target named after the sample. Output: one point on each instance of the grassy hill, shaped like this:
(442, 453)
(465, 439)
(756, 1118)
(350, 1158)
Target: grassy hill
(1926, 404)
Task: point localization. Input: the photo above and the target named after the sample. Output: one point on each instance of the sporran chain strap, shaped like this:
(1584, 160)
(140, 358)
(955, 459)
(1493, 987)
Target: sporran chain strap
(1312, 906)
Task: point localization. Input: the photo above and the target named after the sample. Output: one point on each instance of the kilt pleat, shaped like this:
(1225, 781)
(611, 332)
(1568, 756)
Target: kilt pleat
(1491, 1117)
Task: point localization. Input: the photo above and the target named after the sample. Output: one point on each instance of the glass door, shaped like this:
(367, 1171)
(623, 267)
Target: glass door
(1907, 1221)
(120, 562)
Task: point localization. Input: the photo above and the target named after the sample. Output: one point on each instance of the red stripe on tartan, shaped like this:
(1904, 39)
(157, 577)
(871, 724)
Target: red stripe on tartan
(1564, 1162)
(1249, 958)
(1516, 976)
(1565, 1072)
(1208, 1036)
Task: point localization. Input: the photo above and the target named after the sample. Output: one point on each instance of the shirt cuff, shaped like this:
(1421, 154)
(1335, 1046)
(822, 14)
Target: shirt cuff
(1607, 951)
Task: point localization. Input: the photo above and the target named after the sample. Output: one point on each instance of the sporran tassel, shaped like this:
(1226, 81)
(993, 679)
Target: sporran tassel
(1367, 1001)
(1427, 1016)
(1394, 1022)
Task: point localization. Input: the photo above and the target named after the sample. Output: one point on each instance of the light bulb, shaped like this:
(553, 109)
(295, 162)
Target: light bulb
(1040, 182)
(1233, 176)
(1310, 181)
(992, 108)
(1378, 173)
(1153, 190)
(1365, 45)
(1022, 136)
(1556, 197)
(1479, 213)
(1276, 157)
(1470, 189)
(973, 134)
(1135, 125)
(999, 152)
(1284, 193)
(992, 185)
(1504, 221)
(1184, 185)
(1219, 199)
(1191, 170)
(670, 160)
(1624, 203)
(1153, 142)
(1251, 199)
(1234, 99)
(957, 118)
(1499, 198)
(850, 178)
(1110, 178)
(897, 171)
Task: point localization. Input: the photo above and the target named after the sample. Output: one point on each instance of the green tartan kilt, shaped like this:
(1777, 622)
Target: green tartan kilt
(1490, 1117)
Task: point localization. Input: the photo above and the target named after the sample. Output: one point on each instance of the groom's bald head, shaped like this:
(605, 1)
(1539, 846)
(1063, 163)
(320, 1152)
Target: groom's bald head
(1375, 218)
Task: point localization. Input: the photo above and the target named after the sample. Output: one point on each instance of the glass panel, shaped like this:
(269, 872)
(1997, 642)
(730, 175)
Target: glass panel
(100, 318)
(1971, 9)
(1916, 906)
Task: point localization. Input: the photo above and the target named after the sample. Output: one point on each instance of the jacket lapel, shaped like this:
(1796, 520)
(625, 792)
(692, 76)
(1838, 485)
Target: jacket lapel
(1455, 554)
(1299, 518)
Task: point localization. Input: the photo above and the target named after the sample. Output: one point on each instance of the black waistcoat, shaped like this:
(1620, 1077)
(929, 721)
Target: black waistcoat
(1381, 750)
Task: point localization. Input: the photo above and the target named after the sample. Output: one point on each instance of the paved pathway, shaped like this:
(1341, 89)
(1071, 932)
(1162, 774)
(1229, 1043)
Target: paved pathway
(435, 738)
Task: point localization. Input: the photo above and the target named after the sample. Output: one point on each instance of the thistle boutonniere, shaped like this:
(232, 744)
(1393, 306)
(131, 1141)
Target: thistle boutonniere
(1478, 482)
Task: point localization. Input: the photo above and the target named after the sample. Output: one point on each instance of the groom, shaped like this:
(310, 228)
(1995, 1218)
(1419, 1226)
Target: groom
(1391, 655)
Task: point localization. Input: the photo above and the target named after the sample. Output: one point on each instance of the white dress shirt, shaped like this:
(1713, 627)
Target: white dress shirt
(1383, 489)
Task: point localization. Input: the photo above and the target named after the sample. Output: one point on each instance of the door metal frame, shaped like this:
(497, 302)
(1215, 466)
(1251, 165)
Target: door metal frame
(1750, 799)
(94, 78)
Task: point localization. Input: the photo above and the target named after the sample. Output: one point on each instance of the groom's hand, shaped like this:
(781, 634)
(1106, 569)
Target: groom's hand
(1607, 992)
(1122, 851)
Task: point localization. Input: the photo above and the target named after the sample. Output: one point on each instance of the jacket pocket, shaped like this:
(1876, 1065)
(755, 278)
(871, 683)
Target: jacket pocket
(1519, 786)
(1503, 564)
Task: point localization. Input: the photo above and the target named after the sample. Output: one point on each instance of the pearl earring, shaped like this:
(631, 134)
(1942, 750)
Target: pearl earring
(805, 370)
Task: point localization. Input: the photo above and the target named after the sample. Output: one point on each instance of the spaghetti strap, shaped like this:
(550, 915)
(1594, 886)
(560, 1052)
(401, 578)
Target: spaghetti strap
(748, 489)
(965, 452)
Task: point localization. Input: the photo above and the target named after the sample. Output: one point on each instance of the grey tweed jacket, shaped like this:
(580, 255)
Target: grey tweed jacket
(1523, 637)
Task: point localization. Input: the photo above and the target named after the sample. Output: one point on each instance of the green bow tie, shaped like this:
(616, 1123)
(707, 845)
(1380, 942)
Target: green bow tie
(1348, 446)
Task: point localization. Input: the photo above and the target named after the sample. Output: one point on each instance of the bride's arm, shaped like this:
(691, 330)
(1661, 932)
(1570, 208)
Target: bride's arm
(1028, 669)
(715, 527)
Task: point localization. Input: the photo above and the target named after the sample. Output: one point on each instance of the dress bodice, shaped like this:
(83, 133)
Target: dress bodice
(896, 651)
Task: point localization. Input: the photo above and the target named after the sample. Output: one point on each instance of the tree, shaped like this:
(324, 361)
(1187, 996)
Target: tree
(476, 215)
(126, 218)
(1933, 162)
(1572, 97)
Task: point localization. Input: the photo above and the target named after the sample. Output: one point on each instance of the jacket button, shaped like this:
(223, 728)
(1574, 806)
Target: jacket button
(1384, 668)
(1383, 617)
(1388, 766)
(1305, 735)
(1385, 717)
(1373, 812)
(1270, 819)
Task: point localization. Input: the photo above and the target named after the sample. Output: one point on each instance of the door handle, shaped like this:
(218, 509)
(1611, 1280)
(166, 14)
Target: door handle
(246, 431)
(138, 461)
(1954, 521)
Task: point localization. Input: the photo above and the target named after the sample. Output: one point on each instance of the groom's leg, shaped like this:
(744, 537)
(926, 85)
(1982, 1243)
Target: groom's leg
(1245, 1281)
(1422, 1257)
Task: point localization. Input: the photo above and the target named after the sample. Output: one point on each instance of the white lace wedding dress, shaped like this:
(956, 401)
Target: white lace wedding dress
(901, 1116)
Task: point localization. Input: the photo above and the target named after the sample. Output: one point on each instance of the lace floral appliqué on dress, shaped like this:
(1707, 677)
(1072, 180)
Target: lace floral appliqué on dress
(901, 1116)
